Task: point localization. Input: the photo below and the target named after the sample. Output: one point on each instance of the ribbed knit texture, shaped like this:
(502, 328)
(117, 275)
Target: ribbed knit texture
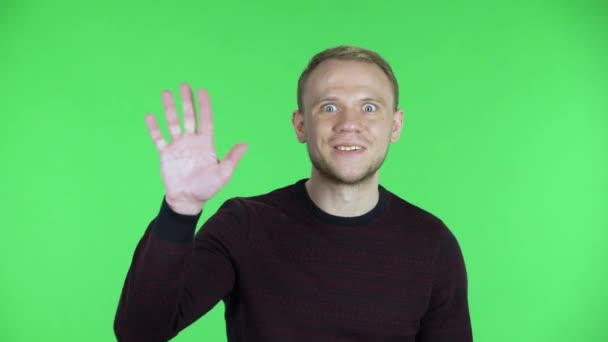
(287, 271)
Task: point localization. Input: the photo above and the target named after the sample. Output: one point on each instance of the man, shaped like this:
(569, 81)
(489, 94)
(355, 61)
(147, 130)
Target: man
(336, 257)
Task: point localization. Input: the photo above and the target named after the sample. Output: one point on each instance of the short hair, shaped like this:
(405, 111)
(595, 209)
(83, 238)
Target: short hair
(347, 53)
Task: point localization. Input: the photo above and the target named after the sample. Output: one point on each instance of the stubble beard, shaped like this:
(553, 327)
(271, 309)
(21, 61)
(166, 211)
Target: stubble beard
(329, 172)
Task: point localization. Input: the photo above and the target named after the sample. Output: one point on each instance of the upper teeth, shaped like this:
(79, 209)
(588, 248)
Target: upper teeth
(348, 148)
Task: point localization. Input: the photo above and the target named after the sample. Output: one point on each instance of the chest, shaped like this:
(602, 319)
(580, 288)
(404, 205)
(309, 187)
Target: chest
(351, 281)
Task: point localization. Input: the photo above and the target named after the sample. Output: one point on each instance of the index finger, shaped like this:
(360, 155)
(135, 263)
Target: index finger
(205, 119)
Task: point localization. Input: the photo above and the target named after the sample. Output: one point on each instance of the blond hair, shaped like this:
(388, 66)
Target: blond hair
(347, 53)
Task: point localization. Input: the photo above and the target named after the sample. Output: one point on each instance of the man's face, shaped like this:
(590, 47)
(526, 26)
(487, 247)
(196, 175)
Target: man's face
(348, 120)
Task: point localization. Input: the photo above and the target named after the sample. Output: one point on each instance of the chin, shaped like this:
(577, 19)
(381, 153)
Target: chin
(345, 177)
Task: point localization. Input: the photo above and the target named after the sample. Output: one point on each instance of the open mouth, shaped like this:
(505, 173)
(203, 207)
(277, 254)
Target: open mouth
(348, 148)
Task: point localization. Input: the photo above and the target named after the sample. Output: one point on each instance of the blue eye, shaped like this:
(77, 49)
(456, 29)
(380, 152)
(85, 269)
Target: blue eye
(369, 108)
(330, 108)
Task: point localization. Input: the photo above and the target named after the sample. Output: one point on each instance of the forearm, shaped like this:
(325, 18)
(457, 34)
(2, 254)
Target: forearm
(154, 284)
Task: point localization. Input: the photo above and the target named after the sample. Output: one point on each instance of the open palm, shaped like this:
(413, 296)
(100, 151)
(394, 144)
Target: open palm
(191, 171)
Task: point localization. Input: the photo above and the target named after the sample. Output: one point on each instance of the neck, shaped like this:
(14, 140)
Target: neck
(340, 199)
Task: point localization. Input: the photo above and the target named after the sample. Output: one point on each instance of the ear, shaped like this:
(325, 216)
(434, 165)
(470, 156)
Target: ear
(397, 125)
(297, 120)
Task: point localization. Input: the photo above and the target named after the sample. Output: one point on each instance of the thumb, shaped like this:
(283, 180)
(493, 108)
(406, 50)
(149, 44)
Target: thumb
(231, 160)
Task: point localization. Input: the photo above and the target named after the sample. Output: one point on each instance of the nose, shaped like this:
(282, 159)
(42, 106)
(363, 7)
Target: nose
(348, 120)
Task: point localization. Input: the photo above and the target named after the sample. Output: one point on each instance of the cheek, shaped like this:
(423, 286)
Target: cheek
(381, 130)
(314, 132)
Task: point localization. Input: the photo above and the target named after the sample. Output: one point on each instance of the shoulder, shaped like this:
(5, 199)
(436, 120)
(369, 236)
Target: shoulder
(272, 197)
(402, 210)
(420, 220)
(443, 245)
(271, 202)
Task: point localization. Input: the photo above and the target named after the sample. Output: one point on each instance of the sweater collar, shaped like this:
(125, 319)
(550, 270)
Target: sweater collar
(325, 217)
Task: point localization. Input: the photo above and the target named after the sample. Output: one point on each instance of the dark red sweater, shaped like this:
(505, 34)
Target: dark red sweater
(287, 271)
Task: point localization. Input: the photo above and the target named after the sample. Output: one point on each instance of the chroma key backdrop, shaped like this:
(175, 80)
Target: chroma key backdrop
(505, 139)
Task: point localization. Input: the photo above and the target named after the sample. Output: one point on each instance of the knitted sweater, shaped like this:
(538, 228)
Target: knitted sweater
(288, 271)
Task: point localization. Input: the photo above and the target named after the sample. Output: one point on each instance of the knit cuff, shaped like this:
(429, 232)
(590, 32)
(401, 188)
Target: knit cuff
(174, 227)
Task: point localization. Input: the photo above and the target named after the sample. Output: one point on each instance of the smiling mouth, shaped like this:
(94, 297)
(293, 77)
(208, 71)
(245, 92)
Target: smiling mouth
(348, 148)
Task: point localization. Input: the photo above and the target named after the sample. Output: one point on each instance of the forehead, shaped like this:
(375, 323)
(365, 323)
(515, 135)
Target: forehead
(338, 78)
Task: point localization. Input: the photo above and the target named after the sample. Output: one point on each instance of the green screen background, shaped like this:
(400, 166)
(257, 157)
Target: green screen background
(505, 139)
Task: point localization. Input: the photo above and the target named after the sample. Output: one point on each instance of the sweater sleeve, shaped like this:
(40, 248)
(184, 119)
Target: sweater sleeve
(176, 277)
(447, 318)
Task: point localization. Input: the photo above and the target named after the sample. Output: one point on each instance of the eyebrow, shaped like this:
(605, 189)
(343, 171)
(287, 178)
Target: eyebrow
(373, 99)
(365, 99)
(330, 98)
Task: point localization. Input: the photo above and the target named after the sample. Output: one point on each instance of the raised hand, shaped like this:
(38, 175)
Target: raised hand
(190, 168)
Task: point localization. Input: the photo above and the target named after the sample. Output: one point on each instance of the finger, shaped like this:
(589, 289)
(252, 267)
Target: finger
(171, 115)
(205, 119)
(232, 159)
(188, 107)
(155, 134)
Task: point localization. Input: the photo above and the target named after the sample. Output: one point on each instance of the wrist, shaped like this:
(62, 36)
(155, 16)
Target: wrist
(183, 206)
